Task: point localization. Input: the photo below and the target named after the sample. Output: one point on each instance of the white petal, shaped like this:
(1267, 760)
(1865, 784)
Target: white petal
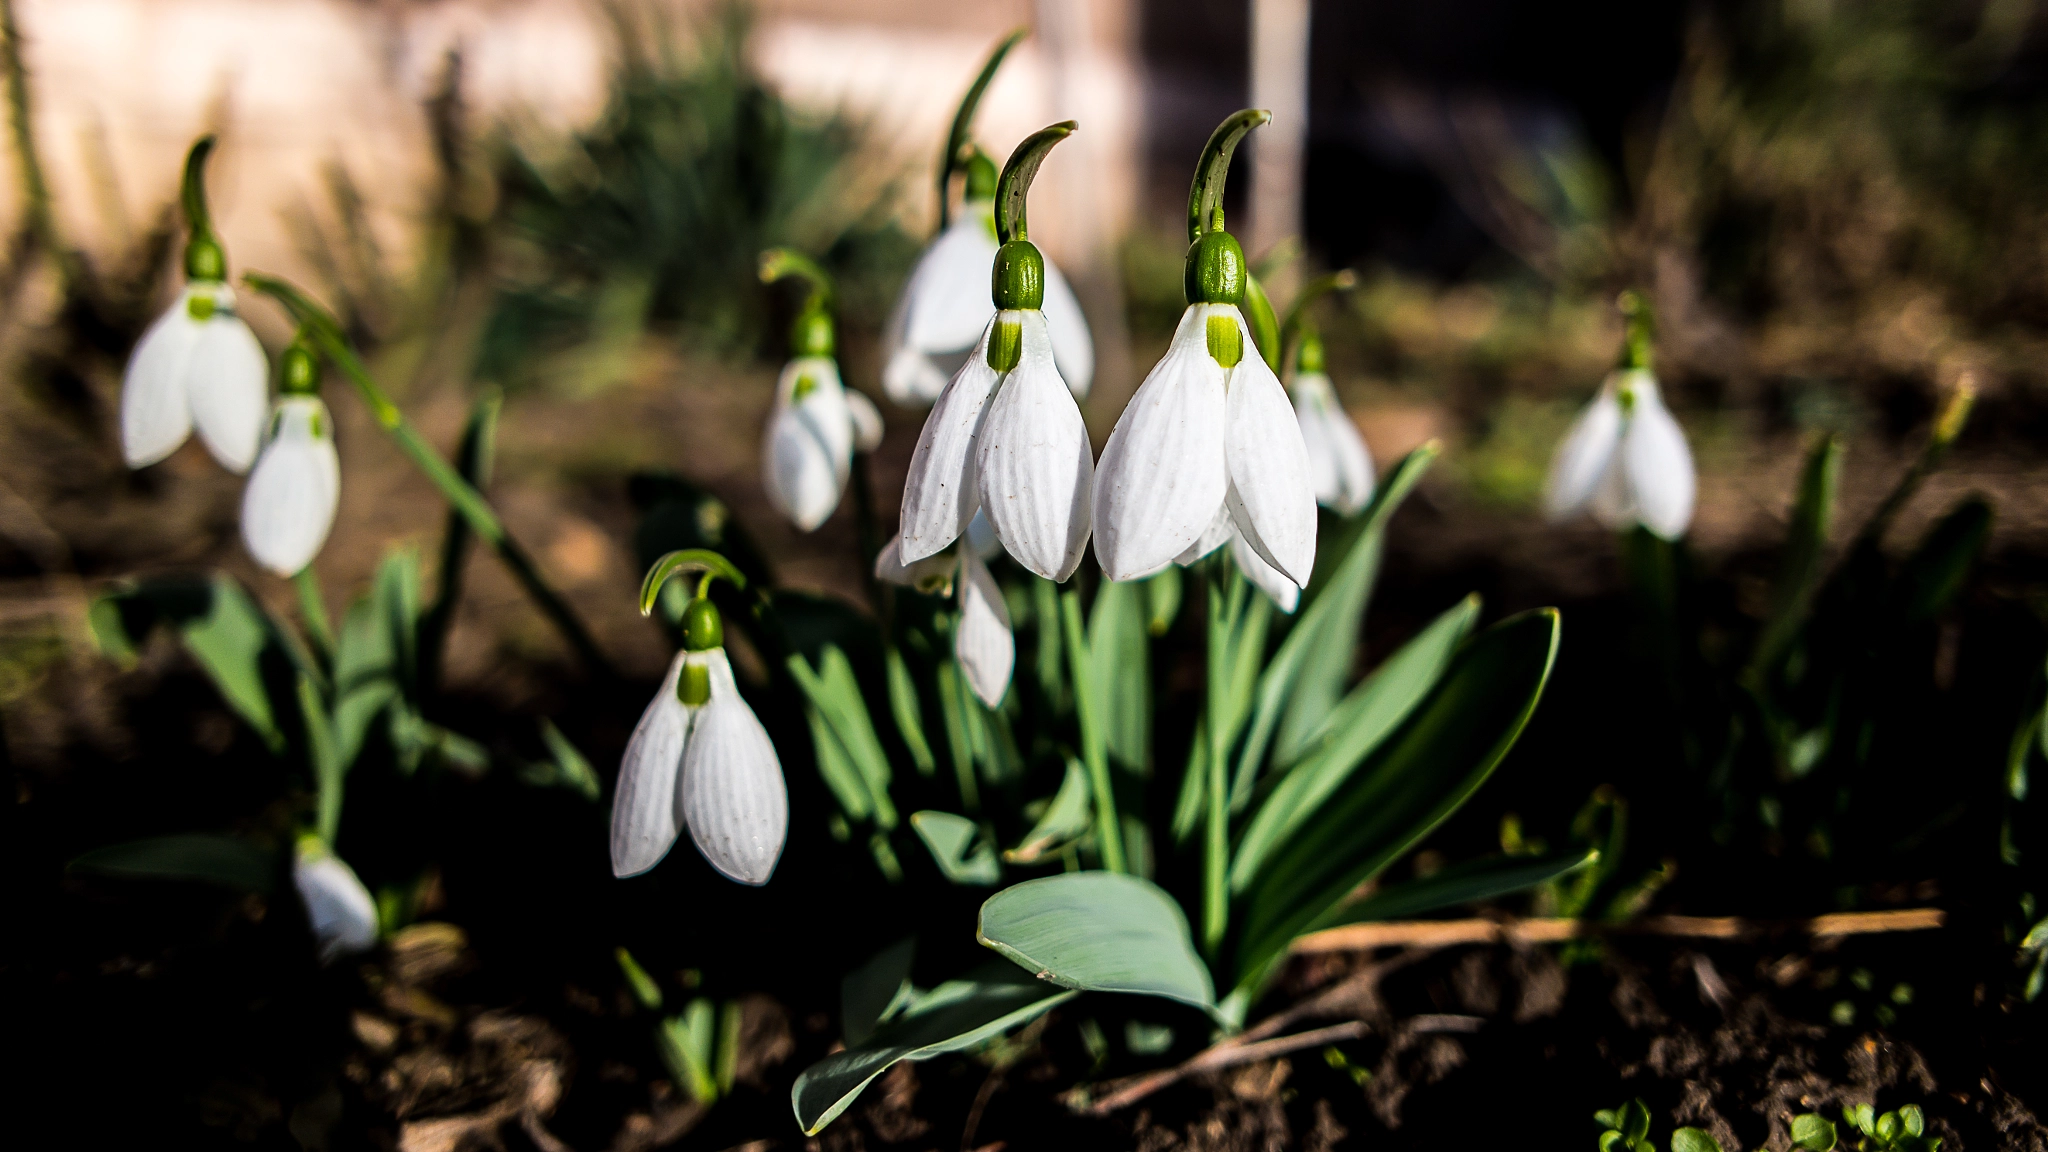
(1161, 476)
(644, 824)
(1658, 464)
(981, 638)
(1269, 579)
(948, 302)
(1340, 467)
(981, 536)
(156, 415)
(1583, 456)
(867, 421)
(912, 379)
(226, 380)
(1071, 344)
(939, 494)
(932, 575)
(342, 914)
(1215, 536)
(733, 798)
(809, 445)
(288, 506)
(1035, 462)
(1270, 497)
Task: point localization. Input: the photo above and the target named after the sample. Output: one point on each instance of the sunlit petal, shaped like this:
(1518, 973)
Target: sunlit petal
(809, 448)
(867, 421)
(156, 415)
(982, 642)
(1215, 536)
(1035, 461)
(932, 575)
(947, 302)
(733, 798)
(1161, 477)
(1658, 464)
(289, 504)
(1270, 497)
(1072, 346)
(1340, 466)
(940, 495)
(339, 908)
(1264, 576)
(226, 379)
(1583, 456)
(644, 824)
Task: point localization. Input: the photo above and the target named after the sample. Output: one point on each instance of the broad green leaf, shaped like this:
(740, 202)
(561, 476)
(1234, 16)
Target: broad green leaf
(1366, 716)
(1098, 932)
(1468, 883)
(1813, 1132)
(1411, 783)
(229, 641)
(955, 1016)
(1693, 1140)
(957, 848)
(219, 860)
(1320, 637)
(1120, 650)
(1067, 818)
(1806, 543)
(1934, 574)
(908, 713)
(1914, 1119)
(875, 991)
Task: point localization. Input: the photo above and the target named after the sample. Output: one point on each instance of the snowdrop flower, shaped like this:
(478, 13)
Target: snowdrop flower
(699, 758)
(944, 307)
(1006, 437)
(1266, 578)
(1626, 459)
(1339, 465)
(198, 365)
(818, 422)
(982, 641)
(343, 916)
(1211, 427)
(288, 506)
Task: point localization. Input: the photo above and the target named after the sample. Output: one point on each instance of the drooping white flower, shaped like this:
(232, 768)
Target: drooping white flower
(945, 307)
(817, 424)
(1625, 460)
(1339, 465)
(342, 914)
(1197, 437)
(289, 504)
(1011, 444)
(983, 643)
(1268, 579)
(198, 366)
(708, 766)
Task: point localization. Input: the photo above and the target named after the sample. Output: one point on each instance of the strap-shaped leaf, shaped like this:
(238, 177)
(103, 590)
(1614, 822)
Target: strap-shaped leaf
(1098, 932)
(1411, 783)
(875, 991)
(1066, 819)
(907, 711)
(1934, 573)
(834, 693)
(1488, 878)
(955, 1016)
(1120, 650)
(957, 848)
(1806, 542)
(1367, 715)
(219, 860)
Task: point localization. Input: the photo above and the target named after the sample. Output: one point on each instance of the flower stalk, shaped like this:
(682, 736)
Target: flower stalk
(1094, 742)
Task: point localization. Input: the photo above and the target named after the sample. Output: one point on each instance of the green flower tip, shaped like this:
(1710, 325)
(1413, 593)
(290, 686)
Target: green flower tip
(1215, 272)
(1017, 281)
(703, 628)
(301, 368)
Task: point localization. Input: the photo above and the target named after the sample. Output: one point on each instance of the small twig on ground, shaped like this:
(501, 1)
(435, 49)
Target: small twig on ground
(981, 1098)
(1445, 933)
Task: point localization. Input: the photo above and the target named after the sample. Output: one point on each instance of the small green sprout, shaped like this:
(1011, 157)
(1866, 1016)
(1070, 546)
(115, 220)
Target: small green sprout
(1903, 1130)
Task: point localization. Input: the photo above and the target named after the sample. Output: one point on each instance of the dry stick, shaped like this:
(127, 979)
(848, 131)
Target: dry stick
(1444, 933)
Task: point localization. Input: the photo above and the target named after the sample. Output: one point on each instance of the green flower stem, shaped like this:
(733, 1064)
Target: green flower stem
(952, 156)
(313, 609)
(1094, 742)
(959, 745)
(1216, 804)
(461, 495)
(326, 761)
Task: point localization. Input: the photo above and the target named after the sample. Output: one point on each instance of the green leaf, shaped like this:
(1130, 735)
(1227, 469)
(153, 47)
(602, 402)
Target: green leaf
(1051, 663)
(1607, 1117)
(1098, 932)
(908, 713)
(572, 769)
(1693, 1140)
(956, 846)
(1635, 1121)
(645, 990)
(1067, 818)
(1467, 883)
(1357, 726)
(1889, 1128)
(1411, 783)
(236, 643)
(326, 762)
(1914, 1120)
(875, 991)
(1813, 1132)
(1162, 600)
(219, 860)
(834, 692)
(835, 766)
(1934, 574)
(1613, 1141)
(687, 1042)
(1120, 650)
(1806, 541)
(1861, 1117)
(474, 457)
(395, 595)
(955, 1016)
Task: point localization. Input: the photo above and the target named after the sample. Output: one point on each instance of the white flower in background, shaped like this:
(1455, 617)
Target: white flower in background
(699, 758)
(1339, 464)
(1268, 579)
(1625, 460)
(945, 307)
(198, 366)
(982, 641)
(343, 916)
(810, 442)
(1209, 429)
(288, 506)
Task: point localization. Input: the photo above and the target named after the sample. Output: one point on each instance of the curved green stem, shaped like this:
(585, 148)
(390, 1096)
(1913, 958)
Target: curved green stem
(192, 189)
(1205, 197)
(313, 609)
(785, 263)
(461, 495)
(1316, 289)
(963, 119)
(1641, 329)
(1094, 741)
(1017, 176)
(686, 561)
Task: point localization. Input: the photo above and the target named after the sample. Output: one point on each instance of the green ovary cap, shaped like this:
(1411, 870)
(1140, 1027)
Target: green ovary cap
(205, 259)
(1216, 272)
(301, 370)
(1017, 280)
(811, 335)
(981, 177)
(703, 629)
(1311, 356)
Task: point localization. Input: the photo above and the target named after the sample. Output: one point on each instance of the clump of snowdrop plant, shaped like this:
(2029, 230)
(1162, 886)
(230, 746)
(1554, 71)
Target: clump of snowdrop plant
(1210, 432)
(982, 641)
(1006, 438)
(818, 422)
(199, 365)
(342, 914)
(942, 311)
(1625, 458)
(288, 507)
(699, 756)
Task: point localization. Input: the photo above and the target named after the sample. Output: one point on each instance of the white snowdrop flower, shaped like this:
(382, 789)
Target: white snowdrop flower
(699, 758)
(342, 914)
(809, 452)
(1268, 579)
(1209, 429)
(1006, 437)
(1625, 460)
(1339, 464)
(867, 421)
(199, 366)
(983, 642)
(289, 504)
